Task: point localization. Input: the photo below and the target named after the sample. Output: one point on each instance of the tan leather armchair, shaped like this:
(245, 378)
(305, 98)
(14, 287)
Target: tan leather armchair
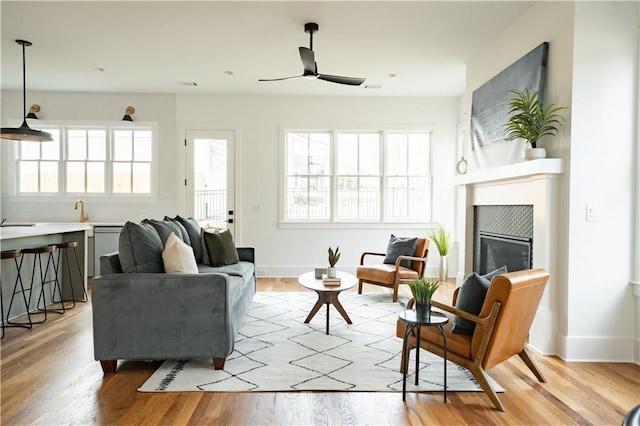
(392, 275)
(501, 331)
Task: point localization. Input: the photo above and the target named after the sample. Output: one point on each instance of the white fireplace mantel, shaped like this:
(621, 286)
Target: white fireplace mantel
(535, 183)
(545, 166)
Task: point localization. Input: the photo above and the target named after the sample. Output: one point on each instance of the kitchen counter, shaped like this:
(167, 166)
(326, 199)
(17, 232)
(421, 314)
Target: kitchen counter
(8, 232)
(36, 235)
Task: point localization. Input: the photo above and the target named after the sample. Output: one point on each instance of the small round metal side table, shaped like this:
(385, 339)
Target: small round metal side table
(436, 320)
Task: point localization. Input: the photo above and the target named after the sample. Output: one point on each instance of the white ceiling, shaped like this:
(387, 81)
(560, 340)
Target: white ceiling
(151, 46)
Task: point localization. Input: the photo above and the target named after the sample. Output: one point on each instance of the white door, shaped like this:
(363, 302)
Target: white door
(210, 193)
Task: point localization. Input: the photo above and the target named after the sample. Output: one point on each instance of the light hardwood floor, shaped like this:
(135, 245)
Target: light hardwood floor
(49, 377)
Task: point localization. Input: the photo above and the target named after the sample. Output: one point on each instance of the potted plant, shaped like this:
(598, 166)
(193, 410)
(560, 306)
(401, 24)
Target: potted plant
(530, 119)
(422, 291)
(334, 256)
(442, 239)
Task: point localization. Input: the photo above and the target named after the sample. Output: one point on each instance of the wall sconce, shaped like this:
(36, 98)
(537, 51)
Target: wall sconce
(32, 111)
(127, 113)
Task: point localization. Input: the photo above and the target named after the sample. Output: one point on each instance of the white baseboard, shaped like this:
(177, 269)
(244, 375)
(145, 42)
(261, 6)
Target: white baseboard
(286, 271)
(599, 349)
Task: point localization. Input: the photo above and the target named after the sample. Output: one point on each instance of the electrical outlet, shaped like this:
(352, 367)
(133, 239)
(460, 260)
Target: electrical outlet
(44, 215)
(262, 272)
(25, 215)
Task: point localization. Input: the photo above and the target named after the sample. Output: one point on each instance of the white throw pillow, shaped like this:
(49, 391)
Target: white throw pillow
(178, 257)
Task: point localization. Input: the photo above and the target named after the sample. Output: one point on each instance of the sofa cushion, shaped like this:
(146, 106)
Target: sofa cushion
(140, 248)
(164, 228)
(471, 298)
(399, 247)
(241, 269)
(194, 230)
(178, 257)
(183, 231)
(220, 247)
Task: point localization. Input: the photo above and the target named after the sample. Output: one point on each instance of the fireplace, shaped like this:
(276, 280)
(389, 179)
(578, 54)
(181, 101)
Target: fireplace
(503, 235)
(504, 250)
(519, 200)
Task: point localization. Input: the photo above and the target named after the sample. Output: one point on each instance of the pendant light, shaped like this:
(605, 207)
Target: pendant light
(24, 132)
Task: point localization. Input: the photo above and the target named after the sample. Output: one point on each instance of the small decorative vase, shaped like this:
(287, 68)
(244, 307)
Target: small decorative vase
(534, 153)
(423, 311)
(331, 272)
(444, 269)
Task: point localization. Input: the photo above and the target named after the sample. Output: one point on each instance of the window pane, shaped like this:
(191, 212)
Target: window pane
(319, 154)
(76, 144)
(358, 198)
(95, 177)
(121, 178)
(141, 178)
(347, 149)
(29, 150)
(396, 198)
(142, 146)
(419, 196)
(28, 176)
(51, 150)
(75, 176)
(370, 154)
(396, 158)
(418, 155)
(122, 145)
(298, 154)
(48, 176)
(97, 149)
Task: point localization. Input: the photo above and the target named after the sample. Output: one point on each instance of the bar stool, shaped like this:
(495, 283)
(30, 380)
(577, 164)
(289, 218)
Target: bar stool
(37, 263)
(64, 247)
(15, 255)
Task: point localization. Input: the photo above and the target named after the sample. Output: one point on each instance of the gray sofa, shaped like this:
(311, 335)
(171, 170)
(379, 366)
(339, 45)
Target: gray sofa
(157, 316)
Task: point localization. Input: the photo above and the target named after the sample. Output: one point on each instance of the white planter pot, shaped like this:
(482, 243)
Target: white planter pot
(535, 153)
(331, 272)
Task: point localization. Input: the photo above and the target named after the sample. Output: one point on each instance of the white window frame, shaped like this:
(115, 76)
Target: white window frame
(107, 196)
(384, 130)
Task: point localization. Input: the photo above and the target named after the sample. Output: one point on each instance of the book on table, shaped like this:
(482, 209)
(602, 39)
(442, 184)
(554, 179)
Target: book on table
(331, 281)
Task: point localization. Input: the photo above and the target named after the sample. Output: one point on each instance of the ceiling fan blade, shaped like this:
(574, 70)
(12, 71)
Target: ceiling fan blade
(351, 81)
(308, 60)
(279, 79)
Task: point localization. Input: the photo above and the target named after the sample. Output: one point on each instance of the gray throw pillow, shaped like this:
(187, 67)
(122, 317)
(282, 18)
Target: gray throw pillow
(140, 248)
(471, 298)
(194, 230)
(222, 251)
(165, 228)
(399, 247)
(183, 231)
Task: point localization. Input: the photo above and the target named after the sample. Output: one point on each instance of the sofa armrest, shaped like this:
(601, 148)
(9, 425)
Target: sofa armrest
(247, 254)
(148, 316)
(110, 264)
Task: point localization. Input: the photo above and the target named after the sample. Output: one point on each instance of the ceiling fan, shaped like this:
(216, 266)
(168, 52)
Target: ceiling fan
(311, 67)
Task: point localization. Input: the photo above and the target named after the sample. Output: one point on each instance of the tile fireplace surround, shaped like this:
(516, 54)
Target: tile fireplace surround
(528, 183)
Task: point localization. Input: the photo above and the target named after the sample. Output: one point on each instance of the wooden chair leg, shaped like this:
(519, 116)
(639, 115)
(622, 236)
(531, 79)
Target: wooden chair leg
(524, 356)
(481, 377)
(359, 286)
(218, 363)
(109, 366)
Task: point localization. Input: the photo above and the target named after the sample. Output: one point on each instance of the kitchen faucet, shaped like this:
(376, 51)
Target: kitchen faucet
(83, 217)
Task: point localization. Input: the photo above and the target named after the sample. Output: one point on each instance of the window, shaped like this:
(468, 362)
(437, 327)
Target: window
(98, 159)
(362, 177)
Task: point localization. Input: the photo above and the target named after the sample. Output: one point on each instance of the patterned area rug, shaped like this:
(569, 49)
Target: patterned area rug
(276, 351)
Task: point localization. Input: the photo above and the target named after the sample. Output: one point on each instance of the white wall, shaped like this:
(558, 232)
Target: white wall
(592, 69)
(600, 310)
(257, 122)
(285, 251)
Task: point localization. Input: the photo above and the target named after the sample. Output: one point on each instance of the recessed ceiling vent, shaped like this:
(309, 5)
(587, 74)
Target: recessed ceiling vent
(187, 83)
